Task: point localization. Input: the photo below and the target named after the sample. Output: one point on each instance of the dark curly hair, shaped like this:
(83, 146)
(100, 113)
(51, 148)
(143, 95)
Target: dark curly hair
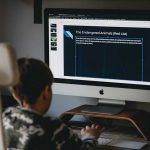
(34, 76)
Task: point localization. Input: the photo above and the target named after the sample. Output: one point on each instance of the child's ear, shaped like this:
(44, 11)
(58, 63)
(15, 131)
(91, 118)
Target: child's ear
(46, 91)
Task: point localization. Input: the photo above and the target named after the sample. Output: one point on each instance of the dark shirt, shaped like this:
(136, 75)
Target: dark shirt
(28, 130)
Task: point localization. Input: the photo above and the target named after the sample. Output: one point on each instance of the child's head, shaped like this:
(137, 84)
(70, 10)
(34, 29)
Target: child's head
(34, 77)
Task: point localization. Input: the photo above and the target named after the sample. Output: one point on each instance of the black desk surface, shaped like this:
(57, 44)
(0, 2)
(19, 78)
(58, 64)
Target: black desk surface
(116, 136)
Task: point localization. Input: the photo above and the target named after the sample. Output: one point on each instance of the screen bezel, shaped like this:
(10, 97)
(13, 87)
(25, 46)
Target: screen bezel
(111, 14)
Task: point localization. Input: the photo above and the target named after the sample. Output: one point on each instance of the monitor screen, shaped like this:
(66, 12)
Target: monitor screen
(99, 53)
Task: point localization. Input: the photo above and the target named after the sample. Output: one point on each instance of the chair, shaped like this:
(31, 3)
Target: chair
(8, 76)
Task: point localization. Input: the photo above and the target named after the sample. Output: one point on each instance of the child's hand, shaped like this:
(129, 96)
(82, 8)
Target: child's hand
(93, 130)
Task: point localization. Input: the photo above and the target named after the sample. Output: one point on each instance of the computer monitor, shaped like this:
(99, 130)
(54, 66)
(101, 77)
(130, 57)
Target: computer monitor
(101, 54)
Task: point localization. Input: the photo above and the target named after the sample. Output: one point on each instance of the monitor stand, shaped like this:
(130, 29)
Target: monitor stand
(137, 118)
(106, 106)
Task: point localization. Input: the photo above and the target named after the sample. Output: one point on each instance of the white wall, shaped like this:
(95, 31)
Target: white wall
(104, 4)
(20, 30)
(17, 27)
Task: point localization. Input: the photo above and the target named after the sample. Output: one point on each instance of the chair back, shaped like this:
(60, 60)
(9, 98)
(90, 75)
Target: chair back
(8, 76)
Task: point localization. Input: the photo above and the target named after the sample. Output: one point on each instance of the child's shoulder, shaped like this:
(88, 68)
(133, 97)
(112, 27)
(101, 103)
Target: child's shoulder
(10, 110)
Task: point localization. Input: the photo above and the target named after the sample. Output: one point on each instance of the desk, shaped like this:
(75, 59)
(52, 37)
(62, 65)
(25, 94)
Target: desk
(115, 135)
(139, 119)
(117, 148)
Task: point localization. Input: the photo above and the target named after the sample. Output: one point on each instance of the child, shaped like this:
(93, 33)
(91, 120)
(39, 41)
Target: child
(26, 127)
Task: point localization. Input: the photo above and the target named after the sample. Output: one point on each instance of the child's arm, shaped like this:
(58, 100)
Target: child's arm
(65, 139)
